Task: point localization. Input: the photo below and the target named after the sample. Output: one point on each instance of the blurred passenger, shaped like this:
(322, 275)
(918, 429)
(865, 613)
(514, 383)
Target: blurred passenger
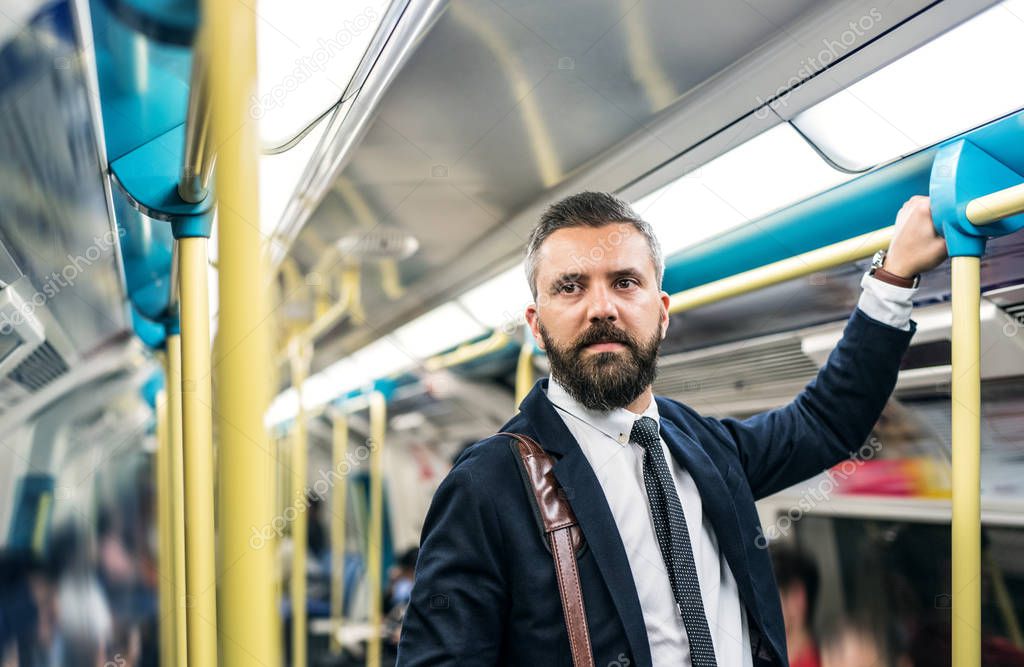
(131, 601)
(27, 609)
(316, 534)
(859, 642)
(797, 577)
(86, 626)
(116, 567)
(852, 644)
(401, 579)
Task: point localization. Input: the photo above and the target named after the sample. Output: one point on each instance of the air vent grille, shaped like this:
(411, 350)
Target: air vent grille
(40, 368)
(1016, 311)
(719, 380)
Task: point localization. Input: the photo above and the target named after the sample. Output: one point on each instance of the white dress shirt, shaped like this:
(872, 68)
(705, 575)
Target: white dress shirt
(618, 465)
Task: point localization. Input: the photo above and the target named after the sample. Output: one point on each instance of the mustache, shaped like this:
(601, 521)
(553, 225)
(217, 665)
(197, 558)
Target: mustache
(604, 332)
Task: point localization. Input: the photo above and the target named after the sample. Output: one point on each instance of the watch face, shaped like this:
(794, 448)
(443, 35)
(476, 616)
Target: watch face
(876, 261)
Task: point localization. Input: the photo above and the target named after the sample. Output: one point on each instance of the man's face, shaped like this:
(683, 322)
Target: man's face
(600, 314)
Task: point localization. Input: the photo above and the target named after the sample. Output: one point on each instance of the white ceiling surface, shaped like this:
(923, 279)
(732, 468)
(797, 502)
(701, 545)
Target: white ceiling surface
(507, 106)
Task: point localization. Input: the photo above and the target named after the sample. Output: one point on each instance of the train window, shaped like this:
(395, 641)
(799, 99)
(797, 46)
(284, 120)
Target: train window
(774, 169)
(927, 428)
(967, 77)
(308, 51)
(890, 579)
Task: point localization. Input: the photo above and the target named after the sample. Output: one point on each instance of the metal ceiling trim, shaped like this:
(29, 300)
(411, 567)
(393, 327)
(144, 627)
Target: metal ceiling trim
(352, 118)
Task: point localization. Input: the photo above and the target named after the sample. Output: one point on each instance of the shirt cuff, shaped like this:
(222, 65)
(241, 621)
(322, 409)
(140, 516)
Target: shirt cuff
(886, 303)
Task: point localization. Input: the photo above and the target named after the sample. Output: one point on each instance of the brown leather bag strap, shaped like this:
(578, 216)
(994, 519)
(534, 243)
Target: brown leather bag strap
(564, 537)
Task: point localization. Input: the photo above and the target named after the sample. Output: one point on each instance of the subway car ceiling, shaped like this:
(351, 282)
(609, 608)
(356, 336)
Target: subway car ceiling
(745, 134)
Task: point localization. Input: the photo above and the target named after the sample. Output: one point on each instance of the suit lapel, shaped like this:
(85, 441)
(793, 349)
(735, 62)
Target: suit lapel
(582, 489)
(716, 501)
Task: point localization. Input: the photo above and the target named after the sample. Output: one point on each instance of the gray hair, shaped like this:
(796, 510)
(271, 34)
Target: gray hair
(588, 209)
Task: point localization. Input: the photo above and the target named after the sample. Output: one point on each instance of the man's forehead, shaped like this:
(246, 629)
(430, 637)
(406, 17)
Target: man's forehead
(613, 232)
(611, 248)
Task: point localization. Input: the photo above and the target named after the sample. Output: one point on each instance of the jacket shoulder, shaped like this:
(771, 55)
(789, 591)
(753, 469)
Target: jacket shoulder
(683, 416)
(486, 461)
(707, 431)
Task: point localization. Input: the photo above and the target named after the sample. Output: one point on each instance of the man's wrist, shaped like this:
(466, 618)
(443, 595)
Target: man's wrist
(888, 269)
(895, 268)
(894, 279)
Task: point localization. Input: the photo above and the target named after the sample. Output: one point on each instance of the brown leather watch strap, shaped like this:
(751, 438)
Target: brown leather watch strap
(564, 537)
(892, 278)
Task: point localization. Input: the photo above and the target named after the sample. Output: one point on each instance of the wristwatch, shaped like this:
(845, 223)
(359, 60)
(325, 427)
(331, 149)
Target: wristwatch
(878, 272)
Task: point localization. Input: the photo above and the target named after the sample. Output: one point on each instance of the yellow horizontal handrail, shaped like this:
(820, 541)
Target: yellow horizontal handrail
(797, 266)
(468, 352)
(996, 206)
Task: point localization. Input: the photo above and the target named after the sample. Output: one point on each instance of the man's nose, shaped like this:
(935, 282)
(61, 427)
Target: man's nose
(601, 305)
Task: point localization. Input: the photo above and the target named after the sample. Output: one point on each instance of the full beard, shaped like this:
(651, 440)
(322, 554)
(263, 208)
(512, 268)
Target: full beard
(604, 380)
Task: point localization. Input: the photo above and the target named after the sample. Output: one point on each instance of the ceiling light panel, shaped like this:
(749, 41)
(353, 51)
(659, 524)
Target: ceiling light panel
(964, 78)
(766, 173)
(439, 330)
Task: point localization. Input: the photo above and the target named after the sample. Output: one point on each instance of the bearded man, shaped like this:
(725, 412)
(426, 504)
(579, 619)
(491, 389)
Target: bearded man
(672, 568)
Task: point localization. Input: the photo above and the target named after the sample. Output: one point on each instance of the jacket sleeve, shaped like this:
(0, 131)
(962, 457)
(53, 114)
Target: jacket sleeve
(458, 603)
(831, 418)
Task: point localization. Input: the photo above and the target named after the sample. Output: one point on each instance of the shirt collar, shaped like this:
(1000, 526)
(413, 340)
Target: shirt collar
(617, 424)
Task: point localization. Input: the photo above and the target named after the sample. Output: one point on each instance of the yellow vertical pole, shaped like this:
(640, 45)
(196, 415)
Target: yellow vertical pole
(378, 428)
(250, 619)
(966, 409)
(164, 552)
(197, 431)
(283, 472)
(524, 372)
(339, 494)
(176, 497)
(282, 476)
(42, 517)
(300, 367)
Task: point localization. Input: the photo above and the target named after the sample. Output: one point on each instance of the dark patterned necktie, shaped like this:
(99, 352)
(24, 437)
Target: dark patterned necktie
(674, 540)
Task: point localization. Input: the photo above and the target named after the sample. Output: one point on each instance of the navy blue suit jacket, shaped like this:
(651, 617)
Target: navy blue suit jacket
(485, 590)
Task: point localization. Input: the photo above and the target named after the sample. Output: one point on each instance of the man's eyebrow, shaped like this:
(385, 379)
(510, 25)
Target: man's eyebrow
(569, 277)
(628, 271)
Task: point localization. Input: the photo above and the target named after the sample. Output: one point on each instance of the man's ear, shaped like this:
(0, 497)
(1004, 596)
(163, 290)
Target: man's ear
(666, 300)
(533, 319)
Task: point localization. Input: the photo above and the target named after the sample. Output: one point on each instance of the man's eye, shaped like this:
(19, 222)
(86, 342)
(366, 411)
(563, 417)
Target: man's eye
(568, 288)
(625, 282)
